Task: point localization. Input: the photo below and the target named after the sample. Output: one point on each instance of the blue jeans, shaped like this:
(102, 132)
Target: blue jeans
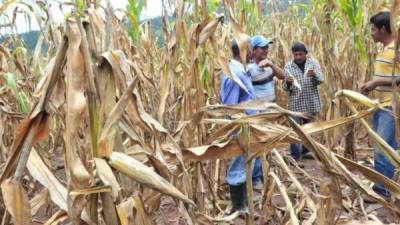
(384, 125)
(296, 150)
(236, 174)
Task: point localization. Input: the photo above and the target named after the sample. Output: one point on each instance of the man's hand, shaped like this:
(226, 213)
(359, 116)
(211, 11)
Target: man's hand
(311, 73)
(289, 79)
(368, 87)
(265, 63)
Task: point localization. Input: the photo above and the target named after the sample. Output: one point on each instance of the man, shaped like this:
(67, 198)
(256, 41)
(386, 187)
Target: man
(303, 95)
(383, 120)
(262, 70)
(232, 93)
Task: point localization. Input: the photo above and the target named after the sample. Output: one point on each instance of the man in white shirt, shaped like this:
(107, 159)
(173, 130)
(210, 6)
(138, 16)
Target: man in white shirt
(262, 70)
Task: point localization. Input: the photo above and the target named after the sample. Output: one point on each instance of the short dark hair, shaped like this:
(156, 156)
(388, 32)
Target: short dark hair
(235, 48)
(299, 47)
(382, 19)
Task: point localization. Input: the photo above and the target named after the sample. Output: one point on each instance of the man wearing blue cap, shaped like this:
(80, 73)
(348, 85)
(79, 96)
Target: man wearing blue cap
(262, 70)
(231, 93)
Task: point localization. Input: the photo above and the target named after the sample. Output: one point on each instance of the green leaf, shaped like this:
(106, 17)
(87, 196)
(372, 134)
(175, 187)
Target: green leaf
(21, 98)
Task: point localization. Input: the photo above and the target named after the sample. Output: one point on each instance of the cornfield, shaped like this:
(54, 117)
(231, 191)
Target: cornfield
(108, 127)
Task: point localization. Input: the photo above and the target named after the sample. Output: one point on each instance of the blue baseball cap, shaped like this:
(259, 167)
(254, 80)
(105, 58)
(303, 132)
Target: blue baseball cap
(260, 41)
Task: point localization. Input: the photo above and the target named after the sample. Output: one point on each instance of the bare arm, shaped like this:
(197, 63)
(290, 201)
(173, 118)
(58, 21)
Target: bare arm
(278, 72)
(372, 84)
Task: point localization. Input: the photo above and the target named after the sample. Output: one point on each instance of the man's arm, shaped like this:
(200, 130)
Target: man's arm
(387, 82)
(278, 72)
(372, 84)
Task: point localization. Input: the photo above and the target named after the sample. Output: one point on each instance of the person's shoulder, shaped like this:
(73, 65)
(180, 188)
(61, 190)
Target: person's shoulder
(387, 53)
(288, 64)
(252, 67)
(313, 60)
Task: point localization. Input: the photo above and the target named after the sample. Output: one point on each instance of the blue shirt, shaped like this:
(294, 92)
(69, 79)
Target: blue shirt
(231, 92)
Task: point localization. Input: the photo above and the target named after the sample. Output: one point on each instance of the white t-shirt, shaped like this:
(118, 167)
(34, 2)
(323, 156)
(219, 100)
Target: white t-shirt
(265, 91)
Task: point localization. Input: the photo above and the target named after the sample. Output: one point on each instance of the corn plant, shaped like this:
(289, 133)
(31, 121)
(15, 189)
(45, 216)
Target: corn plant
(116, 127)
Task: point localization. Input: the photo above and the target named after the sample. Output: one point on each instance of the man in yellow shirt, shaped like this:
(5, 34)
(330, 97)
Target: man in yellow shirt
(383, 120)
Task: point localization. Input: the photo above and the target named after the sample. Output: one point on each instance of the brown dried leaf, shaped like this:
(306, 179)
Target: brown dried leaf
(144, 175)
(106, 139)
(39, 200)
(76, 106)
(17, 202)
(57, 218)
(125, 212)
(107, 176)
(209, 29)
(39, 171)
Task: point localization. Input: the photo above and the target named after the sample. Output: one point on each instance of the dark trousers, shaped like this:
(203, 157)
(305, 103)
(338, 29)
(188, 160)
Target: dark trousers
(297, 150)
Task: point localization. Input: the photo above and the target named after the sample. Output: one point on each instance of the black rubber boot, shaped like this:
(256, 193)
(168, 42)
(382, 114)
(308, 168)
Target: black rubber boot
(238, 197)
(306, 154)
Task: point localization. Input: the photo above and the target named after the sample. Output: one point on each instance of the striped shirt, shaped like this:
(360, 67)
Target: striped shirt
(383, 70)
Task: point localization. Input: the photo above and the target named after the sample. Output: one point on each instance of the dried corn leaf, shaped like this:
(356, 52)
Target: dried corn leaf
(125, 212)
(218, 220)
(289, 206)
(29, 132)
(164, 91)
(144, 175)
(57, 218)
(223, 110)
(394, 12)
(16, 201)
(320, 126)
(106, 140)
(242, 39)
(140, 215)
(390, 153)
(39, 171)
(335, 166)
(90, 190)
(298, 185)
(209, 29)
(58, 193)
(38, 201)
(76, 106)
(225, 150)
(109, 208)
(107, 176)
(372, 175)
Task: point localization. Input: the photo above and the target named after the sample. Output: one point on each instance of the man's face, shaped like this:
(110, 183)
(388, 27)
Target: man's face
(377, 33)
(260, 53)
(299, 57)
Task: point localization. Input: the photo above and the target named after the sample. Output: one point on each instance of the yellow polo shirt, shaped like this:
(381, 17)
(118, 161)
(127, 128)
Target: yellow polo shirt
(383, 70)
